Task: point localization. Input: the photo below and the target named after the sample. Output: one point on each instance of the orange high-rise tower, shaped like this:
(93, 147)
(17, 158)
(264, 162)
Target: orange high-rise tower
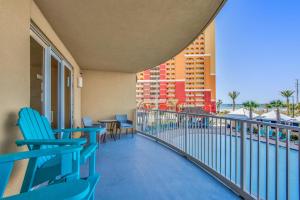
(187, 80)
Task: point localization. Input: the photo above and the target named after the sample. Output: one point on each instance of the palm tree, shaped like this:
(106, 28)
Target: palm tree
(172, 102)
(140, 104)
(287, 94)
(251, 105)
(233, 95)
(219, 103)
(297, 107)
(277, 104)
(268, 106)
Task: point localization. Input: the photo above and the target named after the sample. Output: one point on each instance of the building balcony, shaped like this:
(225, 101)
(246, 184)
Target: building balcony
(170, 95)
(155, 76)
(155, 85)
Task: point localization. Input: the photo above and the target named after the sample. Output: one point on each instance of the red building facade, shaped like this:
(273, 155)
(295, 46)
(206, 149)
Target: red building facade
(187, 80)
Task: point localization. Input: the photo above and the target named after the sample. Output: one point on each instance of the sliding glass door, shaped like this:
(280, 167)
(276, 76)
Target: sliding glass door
(51, 84)
(61, 93)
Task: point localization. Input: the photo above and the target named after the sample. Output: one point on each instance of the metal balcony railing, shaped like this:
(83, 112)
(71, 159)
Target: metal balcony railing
(257, 160)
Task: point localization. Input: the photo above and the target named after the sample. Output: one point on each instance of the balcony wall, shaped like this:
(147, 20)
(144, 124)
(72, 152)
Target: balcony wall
(106, 93)
(14, 75)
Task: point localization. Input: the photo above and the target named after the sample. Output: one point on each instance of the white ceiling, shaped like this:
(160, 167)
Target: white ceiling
(127, 35)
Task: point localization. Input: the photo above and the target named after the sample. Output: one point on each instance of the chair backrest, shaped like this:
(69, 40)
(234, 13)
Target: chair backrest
(121, 118)
(35, 126)
(87, 121)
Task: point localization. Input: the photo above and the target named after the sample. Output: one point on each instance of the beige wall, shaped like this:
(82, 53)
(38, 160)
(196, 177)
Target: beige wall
(15, 18)
(14, 75)
(106, 93)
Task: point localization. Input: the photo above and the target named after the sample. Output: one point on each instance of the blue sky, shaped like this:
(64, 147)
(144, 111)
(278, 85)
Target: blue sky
(257, 48)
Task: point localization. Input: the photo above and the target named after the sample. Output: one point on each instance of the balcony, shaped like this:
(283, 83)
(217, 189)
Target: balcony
(66, 68)
(139, 168)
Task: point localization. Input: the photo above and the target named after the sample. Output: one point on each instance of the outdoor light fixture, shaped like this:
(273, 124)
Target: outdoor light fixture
(80, 81)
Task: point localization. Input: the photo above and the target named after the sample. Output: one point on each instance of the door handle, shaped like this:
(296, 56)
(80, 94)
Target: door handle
(52, 116)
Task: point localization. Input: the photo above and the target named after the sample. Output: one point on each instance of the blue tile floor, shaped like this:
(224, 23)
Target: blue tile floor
(139, 168)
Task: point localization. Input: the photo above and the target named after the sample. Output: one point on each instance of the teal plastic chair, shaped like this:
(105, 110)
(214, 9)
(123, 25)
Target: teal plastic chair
(124, 123)
(38, 134)
(73, 188)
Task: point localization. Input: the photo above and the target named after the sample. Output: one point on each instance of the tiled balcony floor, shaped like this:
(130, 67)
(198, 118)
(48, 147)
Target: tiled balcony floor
(139, 168)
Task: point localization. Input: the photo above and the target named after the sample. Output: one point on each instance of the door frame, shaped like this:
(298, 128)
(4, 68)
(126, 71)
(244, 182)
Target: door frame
(49, 51)
(64, 65)
(49, 89)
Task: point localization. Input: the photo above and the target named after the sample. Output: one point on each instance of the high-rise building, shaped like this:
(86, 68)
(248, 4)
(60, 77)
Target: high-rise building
(187, 80)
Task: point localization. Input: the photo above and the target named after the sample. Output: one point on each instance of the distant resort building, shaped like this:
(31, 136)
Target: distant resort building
(188, 80)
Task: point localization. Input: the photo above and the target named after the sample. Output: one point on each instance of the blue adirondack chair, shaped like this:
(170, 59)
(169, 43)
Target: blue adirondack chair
(38, 134)
(124, 123)
(73, 188)
(88, 123)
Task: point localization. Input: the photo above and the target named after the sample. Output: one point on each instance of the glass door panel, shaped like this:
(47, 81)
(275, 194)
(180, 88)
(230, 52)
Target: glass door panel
(67, 97)
(36, 75)
(54, 92)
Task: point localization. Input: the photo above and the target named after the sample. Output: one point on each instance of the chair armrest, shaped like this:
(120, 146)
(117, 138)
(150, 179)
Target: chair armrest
(38, 153)
(129, 122)
(71, 130)
(40, 142)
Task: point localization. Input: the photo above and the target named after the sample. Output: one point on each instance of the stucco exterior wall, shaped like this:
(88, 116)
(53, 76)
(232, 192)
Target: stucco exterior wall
(105, 94)
(14, 75)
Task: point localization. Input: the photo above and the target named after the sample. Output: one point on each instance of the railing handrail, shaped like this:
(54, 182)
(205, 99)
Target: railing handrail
(261, 123)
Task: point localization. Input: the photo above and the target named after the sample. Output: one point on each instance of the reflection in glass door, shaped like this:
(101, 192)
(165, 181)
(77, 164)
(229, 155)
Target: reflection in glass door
(67, 97)
(54, 92)
(36, 75)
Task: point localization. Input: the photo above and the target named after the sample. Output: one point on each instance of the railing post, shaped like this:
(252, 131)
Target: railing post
(136, 119)
(185, 132)
(143, 121)
(157, 122)
(243, 136)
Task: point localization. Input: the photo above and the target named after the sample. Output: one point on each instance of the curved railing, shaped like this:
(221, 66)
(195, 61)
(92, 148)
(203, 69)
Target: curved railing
(257, 160)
